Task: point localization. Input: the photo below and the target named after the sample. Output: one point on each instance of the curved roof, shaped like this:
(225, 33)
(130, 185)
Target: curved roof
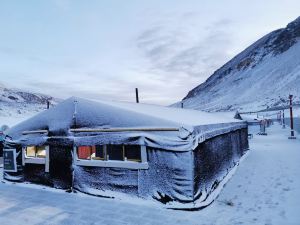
(75, 113)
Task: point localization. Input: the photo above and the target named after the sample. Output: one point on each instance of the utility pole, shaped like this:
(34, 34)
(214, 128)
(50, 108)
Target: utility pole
(291, 118)
(279, 117)
(283, 121)
(137, 95)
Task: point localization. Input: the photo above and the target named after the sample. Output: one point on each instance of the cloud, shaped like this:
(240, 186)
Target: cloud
(177, 50)
(117, 88)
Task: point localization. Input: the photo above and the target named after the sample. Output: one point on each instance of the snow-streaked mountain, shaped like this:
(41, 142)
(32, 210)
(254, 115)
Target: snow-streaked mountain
(261, 76)
(16, 105)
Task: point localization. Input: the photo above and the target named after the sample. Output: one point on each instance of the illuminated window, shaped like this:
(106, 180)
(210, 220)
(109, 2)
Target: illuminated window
(91, 152)
(110, 152)
(36, 155)
(120, 156)
(35, 151)
(41, 151)
(84, 152)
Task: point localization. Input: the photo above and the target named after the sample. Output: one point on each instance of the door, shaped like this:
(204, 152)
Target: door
(61, 166)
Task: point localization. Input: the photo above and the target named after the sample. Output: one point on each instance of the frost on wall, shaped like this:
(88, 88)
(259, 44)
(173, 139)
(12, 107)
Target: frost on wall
(104, 181)
(215, 158)
(169, 175)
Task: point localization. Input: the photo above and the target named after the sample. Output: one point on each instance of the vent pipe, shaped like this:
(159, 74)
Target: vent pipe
(137, 95)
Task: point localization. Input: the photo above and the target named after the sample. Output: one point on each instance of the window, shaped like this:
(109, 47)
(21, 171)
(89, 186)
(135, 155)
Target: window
(133, 153)
(115, 152)
(36, 155)
(84, 152)
(99, 152)
(35, 151)
(121, 156)
(91, 152)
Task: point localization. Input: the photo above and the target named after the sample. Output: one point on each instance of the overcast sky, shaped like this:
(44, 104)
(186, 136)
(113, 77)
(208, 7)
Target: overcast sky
(104, 49)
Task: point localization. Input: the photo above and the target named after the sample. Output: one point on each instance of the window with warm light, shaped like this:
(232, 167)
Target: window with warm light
(36, 155)
(122, 156)
(35, 152)
(91, 152)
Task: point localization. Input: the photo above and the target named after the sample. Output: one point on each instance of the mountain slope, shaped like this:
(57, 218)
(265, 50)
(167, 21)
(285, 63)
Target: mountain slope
(261, 76)
(16, 105)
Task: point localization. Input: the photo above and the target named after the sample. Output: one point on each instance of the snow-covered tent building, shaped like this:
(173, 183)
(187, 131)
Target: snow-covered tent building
(104, 148)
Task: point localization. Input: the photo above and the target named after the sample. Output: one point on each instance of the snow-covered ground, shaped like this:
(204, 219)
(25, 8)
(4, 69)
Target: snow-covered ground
(12, 115)
(17, 105)
(265, 190)
(15, 119)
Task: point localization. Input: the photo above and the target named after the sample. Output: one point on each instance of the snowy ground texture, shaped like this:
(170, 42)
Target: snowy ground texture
(265, 190)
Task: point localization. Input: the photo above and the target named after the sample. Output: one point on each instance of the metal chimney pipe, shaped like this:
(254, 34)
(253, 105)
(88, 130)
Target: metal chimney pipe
(137, 95)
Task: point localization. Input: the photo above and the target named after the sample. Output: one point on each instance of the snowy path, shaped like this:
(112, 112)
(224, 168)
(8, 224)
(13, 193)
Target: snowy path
(265, 190)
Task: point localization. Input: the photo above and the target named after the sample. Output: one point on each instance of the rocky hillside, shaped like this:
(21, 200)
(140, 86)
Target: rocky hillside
(17, 104)
(261, 76)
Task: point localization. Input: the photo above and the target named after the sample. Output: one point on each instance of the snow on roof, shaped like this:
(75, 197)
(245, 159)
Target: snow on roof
(80, 113)
(76, 113)
(178, 115)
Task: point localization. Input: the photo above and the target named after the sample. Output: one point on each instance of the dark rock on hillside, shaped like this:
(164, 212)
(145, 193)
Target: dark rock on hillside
(275, 42)
(261, 75)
